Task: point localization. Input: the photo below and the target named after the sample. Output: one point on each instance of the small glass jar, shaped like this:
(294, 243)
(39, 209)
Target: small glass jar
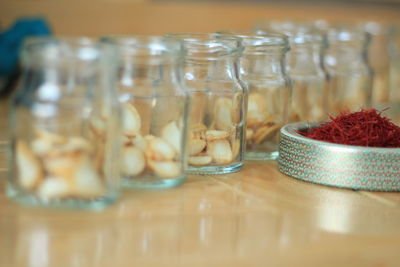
(304, 63)
(216, 134)
(262, 68)
(155, 108)
(59, 157)
(346, 61)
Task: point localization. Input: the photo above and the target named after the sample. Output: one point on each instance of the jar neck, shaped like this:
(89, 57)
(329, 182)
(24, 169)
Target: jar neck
(262, 65)
(197, 70)
(305, 58)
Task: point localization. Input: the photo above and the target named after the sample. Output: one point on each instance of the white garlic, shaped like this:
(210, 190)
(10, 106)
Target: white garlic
(172, 135)
(30, 171)
(131, 122)
(133, 161)
(165, 169)
(200, 160)
(220, 151)
(159, 150)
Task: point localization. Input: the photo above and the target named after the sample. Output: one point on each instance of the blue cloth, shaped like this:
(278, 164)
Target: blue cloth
(12, 39)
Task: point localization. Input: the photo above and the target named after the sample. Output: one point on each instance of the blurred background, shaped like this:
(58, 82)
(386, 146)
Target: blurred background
(99, 17)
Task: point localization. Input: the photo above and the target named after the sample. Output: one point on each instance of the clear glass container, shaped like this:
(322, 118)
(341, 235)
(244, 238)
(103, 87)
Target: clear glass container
(218, 97)
(262, 68)
(60, 158)
(346, 61)
(155, 108)
(304, 63)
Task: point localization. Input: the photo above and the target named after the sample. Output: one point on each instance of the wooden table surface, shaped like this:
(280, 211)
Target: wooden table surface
(257, 217)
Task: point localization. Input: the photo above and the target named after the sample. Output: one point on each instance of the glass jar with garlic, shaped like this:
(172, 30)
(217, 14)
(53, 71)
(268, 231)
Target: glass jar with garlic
(262, 68)
(218, 97)
(61, 156)
(154, 111)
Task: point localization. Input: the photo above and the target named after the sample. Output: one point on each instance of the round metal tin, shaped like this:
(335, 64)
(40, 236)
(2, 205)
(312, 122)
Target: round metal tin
(355, 167)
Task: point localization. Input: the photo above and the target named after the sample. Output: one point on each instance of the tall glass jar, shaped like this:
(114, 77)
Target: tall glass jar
(346, 60)
(262, 68)
(305, 67)
(216, 135)
(58, 157)
(155, 108)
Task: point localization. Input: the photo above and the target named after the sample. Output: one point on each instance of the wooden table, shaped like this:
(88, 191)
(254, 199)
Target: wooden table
(257, 217)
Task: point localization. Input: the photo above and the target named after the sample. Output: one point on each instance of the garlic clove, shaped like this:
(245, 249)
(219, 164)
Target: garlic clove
(159, 150)
(200, 160)
(249, 133)
(131, 122)
(196, 146)
(265, 133)
(133, 161)
(215, 135)
(30, 172)
(165, 169)
(87, 182)
(220, 151)
(172, 135)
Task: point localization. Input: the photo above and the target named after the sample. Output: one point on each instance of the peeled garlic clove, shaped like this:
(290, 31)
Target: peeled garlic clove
(196, 146)
(159, 150)
(198, 131)
(265, 133)
(63, 165)
(87, 182)
(46, 142)
(200, 160)
(76, 144)
(131, 122)
(257, 104)
(215, 135)
(98, 126)
(140, 142)
(54, 187)
(133, 161)
(223, 114)
(249, 133)
(30, 171)
(220, 151)
(172, 135)
(255, 120)
(165, 169)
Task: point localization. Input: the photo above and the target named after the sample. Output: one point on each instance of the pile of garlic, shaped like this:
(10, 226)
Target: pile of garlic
(149, 154)
(217, 144)
(55, 166)
(261, 126)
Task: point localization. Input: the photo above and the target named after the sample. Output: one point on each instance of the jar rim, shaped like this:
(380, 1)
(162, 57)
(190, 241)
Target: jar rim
(146, 45)
(208, 46)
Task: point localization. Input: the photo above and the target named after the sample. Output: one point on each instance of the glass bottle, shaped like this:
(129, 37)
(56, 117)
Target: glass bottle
(154, 111)
(304, 63)
(216, 135)
(63, 149)
(262, 68)
(346, 60)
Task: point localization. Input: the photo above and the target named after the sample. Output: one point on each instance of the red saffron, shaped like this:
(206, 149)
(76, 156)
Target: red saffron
(364, 128)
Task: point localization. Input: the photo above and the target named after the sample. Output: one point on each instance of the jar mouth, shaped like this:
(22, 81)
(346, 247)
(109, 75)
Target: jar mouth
(48, 49)
(142, 45)
(208, 46)
(349, 35)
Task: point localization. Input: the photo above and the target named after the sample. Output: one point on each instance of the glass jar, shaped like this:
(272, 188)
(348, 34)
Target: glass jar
(304, 63)
(154, 111)
(346, 61)
(63, 149)
(262, 68)
(216, 134)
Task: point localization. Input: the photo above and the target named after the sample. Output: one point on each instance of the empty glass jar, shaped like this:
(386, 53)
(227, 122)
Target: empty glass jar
(262, 68)
(65, 125)
(346, 61)
(304, 65)
(155, 108)
(216, 139)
